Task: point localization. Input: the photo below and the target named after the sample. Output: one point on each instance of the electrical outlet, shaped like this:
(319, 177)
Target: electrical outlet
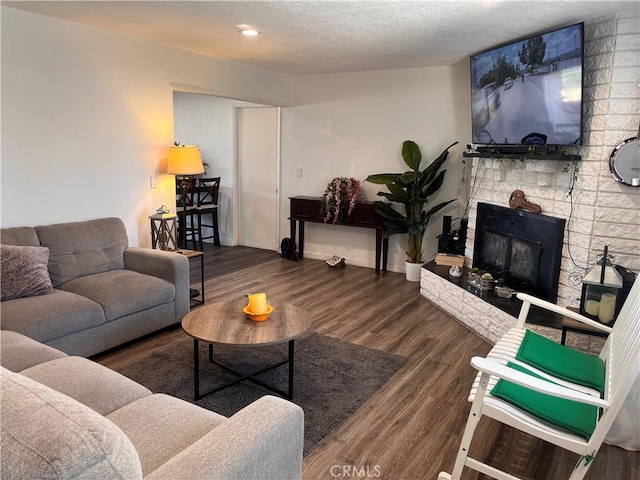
(298, 172)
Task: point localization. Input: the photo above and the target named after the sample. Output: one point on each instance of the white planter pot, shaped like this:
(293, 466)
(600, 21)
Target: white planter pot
(412, 271)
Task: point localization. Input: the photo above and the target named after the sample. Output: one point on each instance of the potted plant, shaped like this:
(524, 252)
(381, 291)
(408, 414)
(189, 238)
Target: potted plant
(411, 190)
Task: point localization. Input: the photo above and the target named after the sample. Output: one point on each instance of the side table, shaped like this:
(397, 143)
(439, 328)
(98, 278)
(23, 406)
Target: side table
(571, 325)
(196, 296)
(163, 231)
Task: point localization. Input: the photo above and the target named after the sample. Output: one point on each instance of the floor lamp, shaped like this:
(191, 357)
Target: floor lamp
(184, 162)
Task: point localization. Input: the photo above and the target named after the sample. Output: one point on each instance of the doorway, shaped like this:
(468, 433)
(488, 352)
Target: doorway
(215, 125)
(258, 153)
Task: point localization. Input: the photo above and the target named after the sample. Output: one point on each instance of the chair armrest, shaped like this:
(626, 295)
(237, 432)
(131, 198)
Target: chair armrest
(262, 441)
(169, 266)
(528, 299)
(503, 371)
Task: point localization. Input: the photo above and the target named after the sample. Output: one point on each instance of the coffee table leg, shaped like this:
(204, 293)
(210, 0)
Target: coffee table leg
(290, 397)
(241, 376)
(196, 369)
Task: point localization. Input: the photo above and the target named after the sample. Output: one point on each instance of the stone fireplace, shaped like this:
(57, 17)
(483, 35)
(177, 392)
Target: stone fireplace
(598, 212)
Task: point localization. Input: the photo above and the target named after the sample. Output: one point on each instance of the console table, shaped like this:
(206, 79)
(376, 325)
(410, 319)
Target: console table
(307, 209)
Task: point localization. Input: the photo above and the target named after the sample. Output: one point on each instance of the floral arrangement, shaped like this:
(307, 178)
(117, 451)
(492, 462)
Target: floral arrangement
(340, 197)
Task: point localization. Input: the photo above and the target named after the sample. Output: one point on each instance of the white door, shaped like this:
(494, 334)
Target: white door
(258, 177)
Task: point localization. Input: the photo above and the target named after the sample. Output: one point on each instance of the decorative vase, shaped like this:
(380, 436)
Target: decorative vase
(412, 271)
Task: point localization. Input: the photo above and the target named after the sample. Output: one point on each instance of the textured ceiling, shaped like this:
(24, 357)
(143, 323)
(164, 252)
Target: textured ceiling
(308, 37)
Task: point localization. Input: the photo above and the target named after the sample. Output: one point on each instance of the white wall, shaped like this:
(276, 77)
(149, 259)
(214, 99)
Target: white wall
(87, 118)
(353, 125)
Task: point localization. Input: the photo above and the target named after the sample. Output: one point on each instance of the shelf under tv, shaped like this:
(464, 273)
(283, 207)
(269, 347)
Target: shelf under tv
(522, 156)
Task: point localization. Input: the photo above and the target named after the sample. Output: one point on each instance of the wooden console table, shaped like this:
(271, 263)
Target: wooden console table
(307, 209)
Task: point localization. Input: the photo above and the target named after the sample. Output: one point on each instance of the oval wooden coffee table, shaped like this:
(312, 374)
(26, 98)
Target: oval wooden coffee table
(226, 324)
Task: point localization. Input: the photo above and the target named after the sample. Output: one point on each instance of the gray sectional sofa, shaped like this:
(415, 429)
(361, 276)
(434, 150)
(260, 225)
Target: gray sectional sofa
(69, 417)
(85, 290)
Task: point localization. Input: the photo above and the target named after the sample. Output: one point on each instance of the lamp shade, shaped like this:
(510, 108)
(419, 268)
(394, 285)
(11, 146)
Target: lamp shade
(185, 160)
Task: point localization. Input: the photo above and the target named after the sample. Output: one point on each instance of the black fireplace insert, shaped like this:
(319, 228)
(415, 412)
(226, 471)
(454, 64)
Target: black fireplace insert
(523, 248)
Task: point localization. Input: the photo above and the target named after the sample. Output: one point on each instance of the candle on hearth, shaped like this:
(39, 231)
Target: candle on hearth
(258, 303)
(607, 307)
(592, 307)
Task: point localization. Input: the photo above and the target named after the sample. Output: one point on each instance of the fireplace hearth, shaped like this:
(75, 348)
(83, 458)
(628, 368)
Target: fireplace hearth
(511, 306)
(522, 248)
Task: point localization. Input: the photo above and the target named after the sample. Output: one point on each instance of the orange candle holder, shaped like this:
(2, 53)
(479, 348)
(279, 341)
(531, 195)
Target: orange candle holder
(257, 309)
(258, 317)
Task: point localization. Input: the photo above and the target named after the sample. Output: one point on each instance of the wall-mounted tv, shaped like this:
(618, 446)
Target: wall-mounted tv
(530, 90)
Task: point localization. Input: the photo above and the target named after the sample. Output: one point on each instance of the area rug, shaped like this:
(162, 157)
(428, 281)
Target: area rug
(332, 378)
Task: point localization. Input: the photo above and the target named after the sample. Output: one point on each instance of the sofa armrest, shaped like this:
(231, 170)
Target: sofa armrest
(169, 266)
(262, 441)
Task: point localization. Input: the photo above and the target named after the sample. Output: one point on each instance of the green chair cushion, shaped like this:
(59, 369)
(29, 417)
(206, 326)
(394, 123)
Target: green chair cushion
(575, 417)
(562, 362)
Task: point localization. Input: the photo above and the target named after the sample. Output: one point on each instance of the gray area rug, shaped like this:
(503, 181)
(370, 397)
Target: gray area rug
(332, 378)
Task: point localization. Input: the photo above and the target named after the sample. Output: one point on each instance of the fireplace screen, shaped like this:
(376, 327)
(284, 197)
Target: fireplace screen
(525, 257)
(511, 256)
(495, 250)
(522, 248)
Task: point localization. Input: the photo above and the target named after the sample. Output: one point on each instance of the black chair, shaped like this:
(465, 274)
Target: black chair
(185, 209)
(208, 190)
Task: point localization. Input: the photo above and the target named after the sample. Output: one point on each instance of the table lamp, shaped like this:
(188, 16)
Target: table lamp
(184, 162)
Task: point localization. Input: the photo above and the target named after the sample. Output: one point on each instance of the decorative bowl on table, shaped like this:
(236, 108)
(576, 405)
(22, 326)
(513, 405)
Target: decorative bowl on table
(503, 292)
(258, 317)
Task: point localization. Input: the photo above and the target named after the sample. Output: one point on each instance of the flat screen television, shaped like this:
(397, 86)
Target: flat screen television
(529, 92)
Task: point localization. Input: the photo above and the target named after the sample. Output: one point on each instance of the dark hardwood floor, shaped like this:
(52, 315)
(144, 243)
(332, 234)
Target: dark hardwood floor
(223, 260)
(410, 428)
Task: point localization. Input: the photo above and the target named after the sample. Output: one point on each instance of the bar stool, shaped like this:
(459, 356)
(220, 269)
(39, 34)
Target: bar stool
(208, 190)
(187, 228)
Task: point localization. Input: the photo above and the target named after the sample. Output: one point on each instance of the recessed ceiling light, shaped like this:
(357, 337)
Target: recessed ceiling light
(249, 32)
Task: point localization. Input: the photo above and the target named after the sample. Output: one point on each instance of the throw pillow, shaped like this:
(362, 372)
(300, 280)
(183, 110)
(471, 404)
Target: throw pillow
(24, 272)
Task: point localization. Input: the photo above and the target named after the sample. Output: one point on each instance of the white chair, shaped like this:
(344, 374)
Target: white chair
(621, 357)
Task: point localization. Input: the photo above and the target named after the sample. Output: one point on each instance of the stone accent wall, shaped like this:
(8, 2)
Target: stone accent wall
(603, 212)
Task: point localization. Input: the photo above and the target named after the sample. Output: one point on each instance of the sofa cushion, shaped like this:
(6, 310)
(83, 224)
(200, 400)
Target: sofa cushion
(47, 317)
(24, 272)
(160, 427)
(46, 434)
(25, 236)
(122, 292)
(83, 248)
(88, 382)
(18, 351)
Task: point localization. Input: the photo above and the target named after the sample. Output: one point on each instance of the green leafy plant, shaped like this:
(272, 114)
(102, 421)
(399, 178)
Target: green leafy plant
(412, 190)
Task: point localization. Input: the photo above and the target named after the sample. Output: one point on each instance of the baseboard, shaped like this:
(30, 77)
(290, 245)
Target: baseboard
(354, 261)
